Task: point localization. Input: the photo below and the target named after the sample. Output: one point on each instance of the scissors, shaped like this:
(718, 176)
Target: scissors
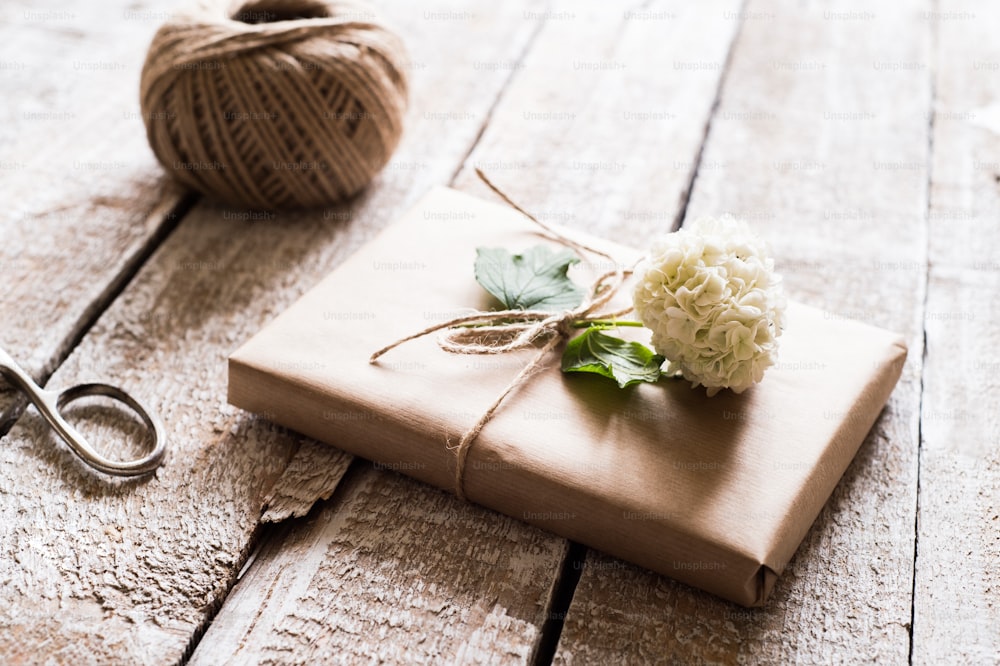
(50, 403)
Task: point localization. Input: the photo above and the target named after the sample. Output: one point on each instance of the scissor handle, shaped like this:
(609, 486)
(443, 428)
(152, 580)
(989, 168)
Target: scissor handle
(50, 404)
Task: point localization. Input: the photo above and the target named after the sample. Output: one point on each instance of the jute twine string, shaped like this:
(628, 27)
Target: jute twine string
(275, 103)
(498, 332)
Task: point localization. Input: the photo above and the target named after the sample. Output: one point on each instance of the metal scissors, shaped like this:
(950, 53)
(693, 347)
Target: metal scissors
(49, 404)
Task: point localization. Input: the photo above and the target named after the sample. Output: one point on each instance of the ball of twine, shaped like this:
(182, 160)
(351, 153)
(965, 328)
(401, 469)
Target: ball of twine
(275, 103)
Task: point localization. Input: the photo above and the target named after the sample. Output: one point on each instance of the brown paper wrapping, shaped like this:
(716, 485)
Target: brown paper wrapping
(716, 492)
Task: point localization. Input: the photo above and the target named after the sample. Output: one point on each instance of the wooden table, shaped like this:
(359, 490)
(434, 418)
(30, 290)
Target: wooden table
(860, 140)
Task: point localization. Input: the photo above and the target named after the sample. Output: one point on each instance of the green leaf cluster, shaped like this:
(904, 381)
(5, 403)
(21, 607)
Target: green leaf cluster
(538, 279)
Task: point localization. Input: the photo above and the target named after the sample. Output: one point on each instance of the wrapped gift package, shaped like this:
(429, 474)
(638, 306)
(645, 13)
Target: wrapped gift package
(716, 492)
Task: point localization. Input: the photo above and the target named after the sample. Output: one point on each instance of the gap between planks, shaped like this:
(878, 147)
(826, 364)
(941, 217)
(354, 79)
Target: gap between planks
(723, 76)
(270, 536)
(170, 210)
(518, 62)
(955, 600)
(572, 565)
(932, 70)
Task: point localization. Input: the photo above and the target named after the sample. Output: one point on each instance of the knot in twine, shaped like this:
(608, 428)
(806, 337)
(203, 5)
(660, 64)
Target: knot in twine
(275, 103)
(502, 331)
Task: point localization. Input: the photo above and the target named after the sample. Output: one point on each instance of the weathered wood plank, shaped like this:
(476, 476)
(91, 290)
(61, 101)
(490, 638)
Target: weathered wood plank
(612, 148)
(312, 474)
(814, 145)
(391, 571)
(84, 202)
(82, 195)
(534, 124)
(129, 572)
(957, 590)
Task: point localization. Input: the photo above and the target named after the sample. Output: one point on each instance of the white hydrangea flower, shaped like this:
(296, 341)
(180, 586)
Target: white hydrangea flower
(709, 294)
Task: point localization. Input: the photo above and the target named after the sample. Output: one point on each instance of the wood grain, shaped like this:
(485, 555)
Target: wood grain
(130, 572)
(957, 589)
(392, 571)
(312, 475)
(84, 203)
(820, 140)
(83, 197)
(611, 149)
(255, 626)
(799, 146)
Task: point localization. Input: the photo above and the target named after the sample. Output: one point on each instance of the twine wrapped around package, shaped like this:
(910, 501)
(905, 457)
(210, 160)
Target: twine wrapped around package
(495, 333)
(275, 103)
(715, 492)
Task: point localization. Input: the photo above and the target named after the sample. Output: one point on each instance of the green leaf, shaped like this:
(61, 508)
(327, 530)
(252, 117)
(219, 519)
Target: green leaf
(532, 280)
(625, 362)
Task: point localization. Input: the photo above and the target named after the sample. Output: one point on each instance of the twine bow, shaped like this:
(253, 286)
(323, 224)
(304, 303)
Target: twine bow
(499, 332)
